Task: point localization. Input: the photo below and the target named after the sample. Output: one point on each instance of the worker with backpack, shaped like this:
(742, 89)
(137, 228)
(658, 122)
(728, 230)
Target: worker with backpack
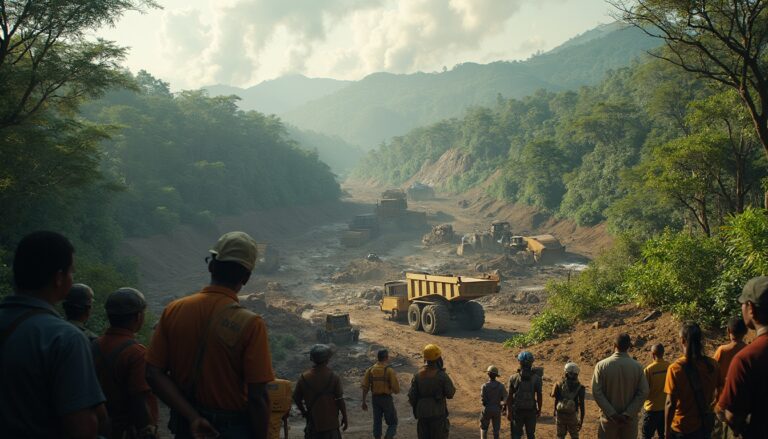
(525, 397)
(569, 397)
(320, 397)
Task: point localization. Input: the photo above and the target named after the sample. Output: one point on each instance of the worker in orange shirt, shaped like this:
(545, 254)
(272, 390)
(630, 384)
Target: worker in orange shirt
(209, 358)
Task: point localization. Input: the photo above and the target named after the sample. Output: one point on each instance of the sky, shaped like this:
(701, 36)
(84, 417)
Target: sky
(195, 43)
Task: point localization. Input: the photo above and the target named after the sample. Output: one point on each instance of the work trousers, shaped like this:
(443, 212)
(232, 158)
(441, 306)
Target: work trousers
(433, 428)
(722, 431)
(613, 430)
(491, 417)
(384, 407)
(695, 435)
(524, 420)
(565, 428)
(229, 425)
(653, 424)
(330, 434)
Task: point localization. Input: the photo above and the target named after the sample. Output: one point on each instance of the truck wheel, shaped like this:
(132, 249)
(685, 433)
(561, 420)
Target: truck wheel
(414, 317)
(473, 316)
(435, 319)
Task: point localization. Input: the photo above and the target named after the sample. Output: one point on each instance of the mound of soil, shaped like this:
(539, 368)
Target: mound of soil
(439, 234)
(365, 270)
(522, 302)
(590, 342)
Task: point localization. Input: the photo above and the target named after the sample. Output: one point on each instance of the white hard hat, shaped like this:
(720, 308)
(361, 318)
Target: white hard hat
(571, 367)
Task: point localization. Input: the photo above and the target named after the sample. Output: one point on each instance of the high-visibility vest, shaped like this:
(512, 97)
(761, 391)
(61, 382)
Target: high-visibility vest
(280, 400)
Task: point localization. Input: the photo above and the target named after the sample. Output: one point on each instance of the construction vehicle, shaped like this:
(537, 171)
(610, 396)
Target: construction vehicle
(432, 301)
(362, 229)
(545, 248)
(267, 259)
(501, 231)
(420, 192)
(337, 330)
(395, 299)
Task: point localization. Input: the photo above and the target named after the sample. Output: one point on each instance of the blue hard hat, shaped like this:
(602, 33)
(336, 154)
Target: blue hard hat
(525, 357)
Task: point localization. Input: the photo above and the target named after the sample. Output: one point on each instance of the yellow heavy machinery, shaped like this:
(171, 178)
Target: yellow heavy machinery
(430, 302)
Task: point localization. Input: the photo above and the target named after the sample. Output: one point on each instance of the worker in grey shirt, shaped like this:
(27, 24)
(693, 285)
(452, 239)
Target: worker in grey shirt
(48, 385)
(619, 387)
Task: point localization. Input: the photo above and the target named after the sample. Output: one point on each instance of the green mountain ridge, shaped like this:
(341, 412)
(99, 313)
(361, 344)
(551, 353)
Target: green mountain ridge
(279, 95)
(383, 105)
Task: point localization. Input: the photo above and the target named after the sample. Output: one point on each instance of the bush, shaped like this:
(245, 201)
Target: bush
(596, 288)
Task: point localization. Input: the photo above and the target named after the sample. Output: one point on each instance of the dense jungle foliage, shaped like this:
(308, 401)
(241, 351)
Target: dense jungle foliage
(671, 163)
(97, 154)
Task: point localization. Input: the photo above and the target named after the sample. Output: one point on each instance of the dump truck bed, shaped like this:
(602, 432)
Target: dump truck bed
(451, 288)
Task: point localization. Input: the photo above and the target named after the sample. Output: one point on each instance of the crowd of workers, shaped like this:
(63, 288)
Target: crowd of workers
(209, 362)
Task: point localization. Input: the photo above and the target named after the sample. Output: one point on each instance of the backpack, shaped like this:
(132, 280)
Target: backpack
(567, 401)
(525, 398)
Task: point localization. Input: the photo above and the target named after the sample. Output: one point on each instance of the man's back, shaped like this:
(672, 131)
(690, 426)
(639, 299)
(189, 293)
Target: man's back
(236, 351)
(319, 388)
(724, 355)
(619, 385)
(687, 418)
(49, 371)
(381, 379)
(121, 368)
(747, 386)
(430, 388)
(656, 375)
(492, 394)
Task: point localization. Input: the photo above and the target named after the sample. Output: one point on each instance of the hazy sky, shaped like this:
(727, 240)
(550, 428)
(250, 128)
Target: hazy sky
(193, 43)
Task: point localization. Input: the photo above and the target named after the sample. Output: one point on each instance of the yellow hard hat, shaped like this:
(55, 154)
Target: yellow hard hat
(432, 352)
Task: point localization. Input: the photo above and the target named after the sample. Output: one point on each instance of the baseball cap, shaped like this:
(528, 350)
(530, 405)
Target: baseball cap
(125, 301)
(755, 291)
(236, 247)
(80, 295)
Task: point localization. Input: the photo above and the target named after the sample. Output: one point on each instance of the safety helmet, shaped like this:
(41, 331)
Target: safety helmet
(432, 352)
(493, 369)
(571, 367)
(525, 358)
(320, 353)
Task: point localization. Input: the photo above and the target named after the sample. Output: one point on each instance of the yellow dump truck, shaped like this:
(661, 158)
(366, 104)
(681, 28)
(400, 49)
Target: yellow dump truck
(545, 248)
(430, 302)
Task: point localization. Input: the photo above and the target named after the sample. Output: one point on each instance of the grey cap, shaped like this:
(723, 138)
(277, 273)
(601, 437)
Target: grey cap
(80, 296)
(755, 291)
(320, 353)
(125, 301)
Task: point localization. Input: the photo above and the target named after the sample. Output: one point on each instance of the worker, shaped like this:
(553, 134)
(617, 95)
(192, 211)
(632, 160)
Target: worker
(77, 308)
(493, 396)
(279, 392)
(724, 354)
(569, 397)
(209, 358)
(525, 398)
(121, 367)
(320, 397)
(381, 380)
(431, 387)
(653, 408)
(48, 385)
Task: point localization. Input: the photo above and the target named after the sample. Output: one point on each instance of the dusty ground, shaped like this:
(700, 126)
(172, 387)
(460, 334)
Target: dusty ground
(318, 276)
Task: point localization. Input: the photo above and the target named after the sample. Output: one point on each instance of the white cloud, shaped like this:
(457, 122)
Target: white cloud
(229, 46)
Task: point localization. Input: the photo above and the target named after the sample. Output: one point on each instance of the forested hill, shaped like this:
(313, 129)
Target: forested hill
(382, 105)
(646, 149)
(279, 95)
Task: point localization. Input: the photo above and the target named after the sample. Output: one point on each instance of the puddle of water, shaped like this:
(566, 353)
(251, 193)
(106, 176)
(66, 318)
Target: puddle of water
(574, 266)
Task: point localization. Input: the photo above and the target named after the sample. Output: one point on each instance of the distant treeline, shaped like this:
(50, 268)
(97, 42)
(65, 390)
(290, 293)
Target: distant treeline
(647, 149)
(140, 161)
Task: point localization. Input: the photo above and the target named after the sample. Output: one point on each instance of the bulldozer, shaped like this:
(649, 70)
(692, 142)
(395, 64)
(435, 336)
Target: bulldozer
(337, 330)
(430, 302)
